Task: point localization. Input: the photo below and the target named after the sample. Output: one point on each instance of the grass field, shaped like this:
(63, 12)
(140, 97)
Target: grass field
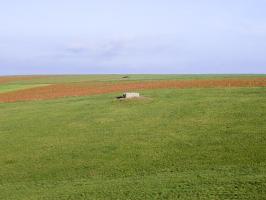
(15, 87)
(197, 143)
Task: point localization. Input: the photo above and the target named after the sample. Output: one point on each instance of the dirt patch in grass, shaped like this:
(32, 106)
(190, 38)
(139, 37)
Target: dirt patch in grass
(141, 98)
(67, 90)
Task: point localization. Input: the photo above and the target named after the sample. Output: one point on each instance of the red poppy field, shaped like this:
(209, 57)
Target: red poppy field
(60, 90)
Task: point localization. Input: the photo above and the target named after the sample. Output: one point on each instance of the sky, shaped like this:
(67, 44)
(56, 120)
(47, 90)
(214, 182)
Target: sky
(132, 36)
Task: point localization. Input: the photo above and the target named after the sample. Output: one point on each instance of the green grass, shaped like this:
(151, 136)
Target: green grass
(14, 87)
(177, 144)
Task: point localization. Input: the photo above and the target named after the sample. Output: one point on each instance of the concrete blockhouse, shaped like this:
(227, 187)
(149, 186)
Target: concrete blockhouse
(129, 95)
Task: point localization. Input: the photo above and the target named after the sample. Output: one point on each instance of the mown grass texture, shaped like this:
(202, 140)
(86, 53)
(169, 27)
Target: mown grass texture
(176, 144)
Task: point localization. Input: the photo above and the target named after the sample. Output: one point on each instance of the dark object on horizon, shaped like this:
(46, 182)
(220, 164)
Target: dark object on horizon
(125, 77)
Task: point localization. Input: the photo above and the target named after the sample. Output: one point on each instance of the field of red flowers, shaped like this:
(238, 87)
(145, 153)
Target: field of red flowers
(8, 79)
(75, 89)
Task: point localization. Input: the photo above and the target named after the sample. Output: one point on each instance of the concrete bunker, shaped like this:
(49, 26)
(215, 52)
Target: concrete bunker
(130, 95)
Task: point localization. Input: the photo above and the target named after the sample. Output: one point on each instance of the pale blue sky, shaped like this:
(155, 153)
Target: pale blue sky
(132, 36)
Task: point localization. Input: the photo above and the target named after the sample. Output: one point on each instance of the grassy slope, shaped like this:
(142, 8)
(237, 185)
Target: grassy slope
(187, 144)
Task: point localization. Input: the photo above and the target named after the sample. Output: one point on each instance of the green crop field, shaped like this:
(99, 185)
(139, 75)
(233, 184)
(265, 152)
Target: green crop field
(15, 87)
(175, 144)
